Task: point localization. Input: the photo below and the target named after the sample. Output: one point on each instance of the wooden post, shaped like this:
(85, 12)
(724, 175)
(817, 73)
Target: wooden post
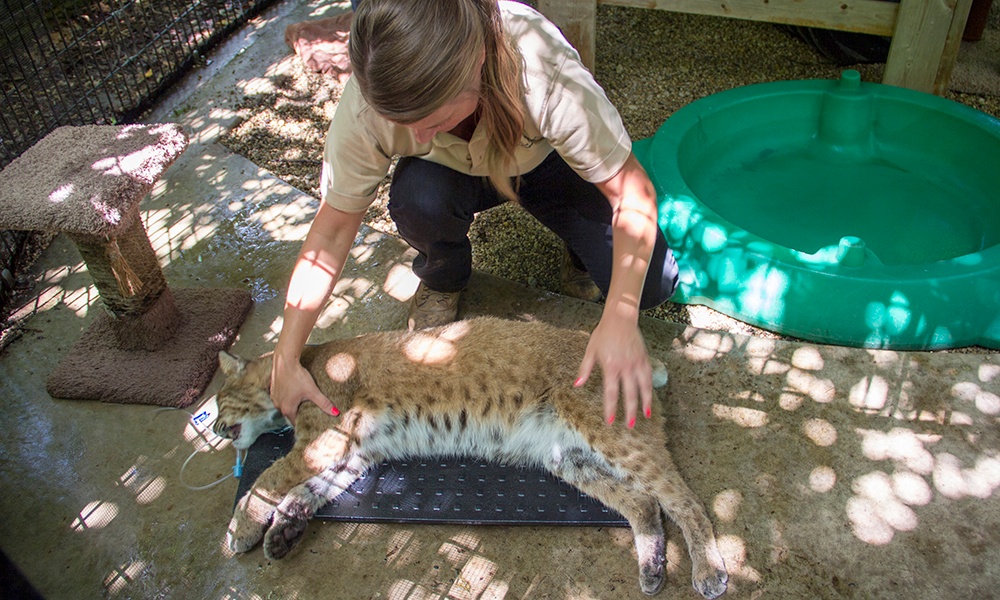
(917, 54)
(576, 19)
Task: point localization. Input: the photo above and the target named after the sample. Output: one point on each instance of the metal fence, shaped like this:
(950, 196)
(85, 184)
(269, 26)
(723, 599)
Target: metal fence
(81, 62)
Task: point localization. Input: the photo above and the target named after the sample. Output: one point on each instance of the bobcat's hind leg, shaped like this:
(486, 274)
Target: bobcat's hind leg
(300, 505)
(708, 570)
(590, 473)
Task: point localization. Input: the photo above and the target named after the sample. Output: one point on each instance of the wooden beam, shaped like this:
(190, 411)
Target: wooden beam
(863, 16)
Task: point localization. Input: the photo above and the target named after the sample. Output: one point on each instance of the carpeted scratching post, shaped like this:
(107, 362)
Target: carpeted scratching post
(151, 344)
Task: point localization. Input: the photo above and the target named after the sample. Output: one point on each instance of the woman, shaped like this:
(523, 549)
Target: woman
(484, 102)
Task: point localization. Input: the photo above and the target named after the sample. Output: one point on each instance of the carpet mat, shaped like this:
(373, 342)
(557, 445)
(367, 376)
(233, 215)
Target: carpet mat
(451, 491)
(176, 374)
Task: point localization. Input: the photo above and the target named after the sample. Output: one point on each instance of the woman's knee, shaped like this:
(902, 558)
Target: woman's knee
(424, 194)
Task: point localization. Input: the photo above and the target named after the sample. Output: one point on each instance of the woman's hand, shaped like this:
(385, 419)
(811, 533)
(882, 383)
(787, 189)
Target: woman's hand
(621, 352)
(291, 385)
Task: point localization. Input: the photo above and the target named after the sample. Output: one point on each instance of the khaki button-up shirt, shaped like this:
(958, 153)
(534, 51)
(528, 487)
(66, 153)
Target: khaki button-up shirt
(565, 110)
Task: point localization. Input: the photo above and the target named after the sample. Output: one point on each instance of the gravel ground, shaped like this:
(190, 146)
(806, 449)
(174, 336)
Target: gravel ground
(651, 63)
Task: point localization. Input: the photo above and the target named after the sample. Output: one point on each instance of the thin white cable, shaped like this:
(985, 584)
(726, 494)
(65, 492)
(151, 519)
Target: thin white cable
(240, 454)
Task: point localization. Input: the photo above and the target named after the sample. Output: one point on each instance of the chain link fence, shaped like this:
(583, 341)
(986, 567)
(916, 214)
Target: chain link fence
(104, 62)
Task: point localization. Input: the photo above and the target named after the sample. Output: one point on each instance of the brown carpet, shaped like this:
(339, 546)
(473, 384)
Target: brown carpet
(87, 179)
(174, 375)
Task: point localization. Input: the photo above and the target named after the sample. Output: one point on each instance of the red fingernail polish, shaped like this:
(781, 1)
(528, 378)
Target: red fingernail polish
(334, 411)
(649, 412)
(578, 382)
(631, 423)
(611, 419)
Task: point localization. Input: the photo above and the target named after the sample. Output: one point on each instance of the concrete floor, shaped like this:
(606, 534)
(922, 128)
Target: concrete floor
(829, 472)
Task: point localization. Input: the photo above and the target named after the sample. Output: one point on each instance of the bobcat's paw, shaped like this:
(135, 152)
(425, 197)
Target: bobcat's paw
(290, 521)
(651, 578)
(713, 585)
(250, 519)
(708, 575)
(283, 535)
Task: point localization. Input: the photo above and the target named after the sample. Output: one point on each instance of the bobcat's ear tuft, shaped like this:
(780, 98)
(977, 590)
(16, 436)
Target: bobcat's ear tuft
(231, 365)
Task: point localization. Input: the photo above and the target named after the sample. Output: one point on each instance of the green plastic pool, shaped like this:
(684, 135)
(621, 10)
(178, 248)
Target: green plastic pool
(836, 211)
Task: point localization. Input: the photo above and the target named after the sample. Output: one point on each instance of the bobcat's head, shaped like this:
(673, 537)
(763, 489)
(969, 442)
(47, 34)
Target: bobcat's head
(245, 406)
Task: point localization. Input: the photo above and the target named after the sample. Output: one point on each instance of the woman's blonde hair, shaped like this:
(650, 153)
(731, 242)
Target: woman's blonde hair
(411, 57)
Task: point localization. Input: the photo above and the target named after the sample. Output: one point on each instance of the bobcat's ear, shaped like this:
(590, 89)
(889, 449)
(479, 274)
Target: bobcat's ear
(231, 365)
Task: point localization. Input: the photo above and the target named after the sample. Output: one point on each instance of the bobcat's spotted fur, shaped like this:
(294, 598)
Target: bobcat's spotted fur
(480, 388)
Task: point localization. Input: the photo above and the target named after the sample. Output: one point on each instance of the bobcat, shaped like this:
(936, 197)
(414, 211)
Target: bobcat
(484, 388)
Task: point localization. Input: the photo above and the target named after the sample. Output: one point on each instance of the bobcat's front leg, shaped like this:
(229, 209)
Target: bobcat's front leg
(308, 458)
(254, 510)
(300, 505)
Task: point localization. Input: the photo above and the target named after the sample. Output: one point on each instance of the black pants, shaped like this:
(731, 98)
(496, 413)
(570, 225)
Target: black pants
(433, 207)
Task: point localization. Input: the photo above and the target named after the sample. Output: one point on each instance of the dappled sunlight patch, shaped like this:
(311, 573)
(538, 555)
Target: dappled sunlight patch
(761, 347)
(258, 86)
(288, 221)
(362, 253)
(767, 365)
(750, 418)
(822, 479)
(223, 546)
(325, 449)
(116, 581)
(171, 240)
(363, 533)
(727, 505)
(900, 445)
(700, 345)
(866, 523)
(954, 481)
(749, 396)
(912, 489)
(988, 373)
(819, 389)
(734, 552)
(790, 401)
(820, 431)
(403, 549)
(882, 501)
(341, 367)
(807, 358)
(139, 480)
(429, 349)
(400, 282)
(53, 292)
(95, 515)
(80, 300)
(474, 575)
(876, 512)
(347, 292)
(985, 401)
(476, 580)
(870, 395)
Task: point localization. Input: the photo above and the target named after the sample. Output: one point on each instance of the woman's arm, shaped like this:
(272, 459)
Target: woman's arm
(317, 269)
(616, 343)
